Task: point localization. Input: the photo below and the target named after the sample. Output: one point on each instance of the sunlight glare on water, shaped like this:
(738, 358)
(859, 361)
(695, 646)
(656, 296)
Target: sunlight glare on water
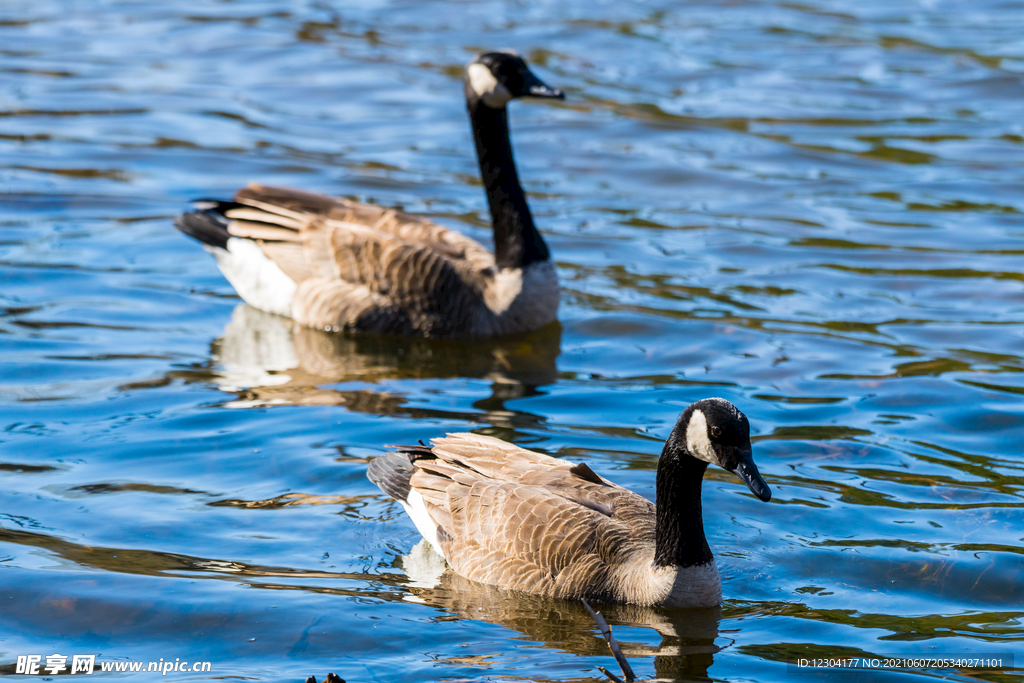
(810, 209)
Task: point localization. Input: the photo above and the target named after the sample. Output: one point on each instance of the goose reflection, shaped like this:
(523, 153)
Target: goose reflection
(268, 360)
(687, 646)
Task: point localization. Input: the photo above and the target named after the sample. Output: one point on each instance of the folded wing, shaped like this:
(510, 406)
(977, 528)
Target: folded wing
(525, 521)
(363, 267)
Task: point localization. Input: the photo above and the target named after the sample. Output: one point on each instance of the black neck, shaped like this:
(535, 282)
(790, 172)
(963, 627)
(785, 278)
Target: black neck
(516, 240)
(679, 530)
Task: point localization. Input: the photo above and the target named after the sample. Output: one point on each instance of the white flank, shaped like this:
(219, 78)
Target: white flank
(697, 441)
(417, 512)
(257, 279)
(484, 84)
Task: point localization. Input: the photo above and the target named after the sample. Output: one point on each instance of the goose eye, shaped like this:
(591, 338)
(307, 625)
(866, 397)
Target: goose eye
(716, 431)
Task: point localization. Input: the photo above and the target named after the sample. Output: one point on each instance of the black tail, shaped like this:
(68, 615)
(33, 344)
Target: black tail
(391, 472)
(207, 223)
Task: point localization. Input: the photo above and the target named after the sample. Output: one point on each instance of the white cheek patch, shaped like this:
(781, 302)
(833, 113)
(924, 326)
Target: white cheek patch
(484, 84)
(697, 441)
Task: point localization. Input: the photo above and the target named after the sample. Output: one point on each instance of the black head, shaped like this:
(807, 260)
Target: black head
(715, 431)
(495, 78)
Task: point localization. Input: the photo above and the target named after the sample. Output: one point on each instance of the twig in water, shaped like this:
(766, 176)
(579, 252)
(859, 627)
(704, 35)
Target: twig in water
(609, 674)
(613, 645)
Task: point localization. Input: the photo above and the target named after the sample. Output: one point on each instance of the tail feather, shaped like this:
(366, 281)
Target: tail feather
(207, 223)
(213, 222)
(391, 472)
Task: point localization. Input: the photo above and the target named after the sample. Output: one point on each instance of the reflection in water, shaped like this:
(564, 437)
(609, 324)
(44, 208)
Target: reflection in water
(687, 644)
(686, 649)
(268, 360)
(155, 563)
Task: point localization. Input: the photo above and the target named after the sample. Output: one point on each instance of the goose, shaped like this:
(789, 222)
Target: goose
(340, 265)
(523, 521)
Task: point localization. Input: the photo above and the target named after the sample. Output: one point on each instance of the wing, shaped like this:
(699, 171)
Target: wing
(363, 267)
(525, 521)
(414, 276)
(416, 230)
(381, 283)
(499, 460)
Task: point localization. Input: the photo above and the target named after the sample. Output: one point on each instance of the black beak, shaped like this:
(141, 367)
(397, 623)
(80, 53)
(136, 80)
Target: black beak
(747, 471)
(534, 87)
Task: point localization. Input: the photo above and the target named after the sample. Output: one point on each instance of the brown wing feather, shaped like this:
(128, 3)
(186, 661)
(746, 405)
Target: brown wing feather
(525, 521)
(429, 289)
(364, 267)
(290, 257)
(408, 227)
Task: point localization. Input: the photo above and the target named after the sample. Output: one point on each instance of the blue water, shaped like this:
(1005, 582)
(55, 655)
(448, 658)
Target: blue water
(811, 209)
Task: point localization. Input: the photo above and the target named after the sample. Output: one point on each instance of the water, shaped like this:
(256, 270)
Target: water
(811, 209)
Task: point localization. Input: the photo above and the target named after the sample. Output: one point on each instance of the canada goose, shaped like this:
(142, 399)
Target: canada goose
(335, 264)
(506, 516)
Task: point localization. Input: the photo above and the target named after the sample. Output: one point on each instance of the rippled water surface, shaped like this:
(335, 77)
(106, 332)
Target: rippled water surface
(813, 209)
